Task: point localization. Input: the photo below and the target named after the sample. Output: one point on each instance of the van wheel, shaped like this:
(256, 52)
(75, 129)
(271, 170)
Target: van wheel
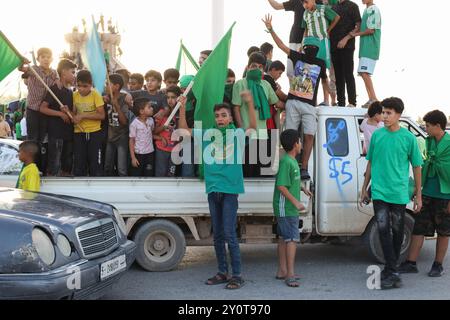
(372, 239)
(161, 245)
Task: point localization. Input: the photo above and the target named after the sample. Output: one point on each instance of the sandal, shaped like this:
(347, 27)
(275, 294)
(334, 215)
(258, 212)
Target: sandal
(292, 282)
(235, 283)
(297, 277)
(217, 279)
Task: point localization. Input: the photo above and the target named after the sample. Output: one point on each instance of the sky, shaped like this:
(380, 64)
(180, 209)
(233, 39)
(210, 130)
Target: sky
(412, 65)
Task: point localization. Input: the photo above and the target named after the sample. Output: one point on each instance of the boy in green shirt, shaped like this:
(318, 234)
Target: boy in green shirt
(391, 151)
(222, 157)
(435, 214)
(263, 96)
(287, 187)
(369, 48)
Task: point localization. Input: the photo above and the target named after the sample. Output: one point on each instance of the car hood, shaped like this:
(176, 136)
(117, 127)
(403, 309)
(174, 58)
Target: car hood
(46, 209)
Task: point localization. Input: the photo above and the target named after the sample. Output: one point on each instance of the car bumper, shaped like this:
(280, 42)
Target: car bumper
(55, 285)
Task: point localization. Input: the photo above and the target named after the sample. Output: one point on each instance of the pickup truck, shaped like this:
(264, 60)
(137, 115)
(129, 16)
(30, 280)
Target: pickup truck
(163, 216)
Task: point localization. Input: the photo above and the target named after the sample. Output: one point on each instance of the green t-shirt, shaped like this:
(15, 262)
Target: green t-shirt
(318, 21)
(370, 45)
(432, 188)
(222, 170)
(261, 125)
(288, 176)
(390, 154)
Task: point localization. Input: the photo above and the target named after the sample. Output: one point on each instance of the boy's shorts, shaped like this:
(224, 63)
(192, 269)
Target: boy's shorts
(367, 65)
(324, 52)
(432, 218)
(288, 228)
(299, 112)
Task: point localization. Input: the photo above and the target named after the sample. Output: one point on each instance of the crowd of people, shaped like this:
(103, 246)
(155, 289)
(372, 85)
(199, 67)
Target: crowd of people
(123, 132)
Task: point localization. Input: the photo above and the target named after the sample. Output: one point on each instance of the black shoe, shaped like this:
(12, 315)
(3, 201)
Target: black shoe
(305, 175)
(436, 270)
(408, 267)
(392, 281)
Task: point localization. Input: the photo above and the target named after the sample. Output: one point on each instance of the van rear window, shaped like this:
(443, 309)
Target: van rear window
(337, 137)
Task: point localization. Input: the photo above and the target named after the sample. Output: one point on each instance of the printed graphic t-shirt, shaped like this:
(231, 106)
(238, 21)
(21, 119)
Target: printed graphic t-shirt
(304, 86)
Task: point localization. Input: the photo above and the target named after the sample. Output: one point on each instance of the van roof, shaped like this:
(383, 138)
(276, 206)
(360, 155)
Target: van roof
(341, 111)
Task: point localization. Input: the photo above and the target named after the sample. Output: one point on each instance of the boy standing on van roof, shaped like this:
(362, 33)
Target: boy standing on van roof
(392, 149)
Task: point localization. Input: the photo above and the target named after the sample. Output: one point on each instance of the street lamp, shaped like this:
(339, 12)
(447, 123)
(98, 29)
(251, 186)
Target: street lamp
(218, 21)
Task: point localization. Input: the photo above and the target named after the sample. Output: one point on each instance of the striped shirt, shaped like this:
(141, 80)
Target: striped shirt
(36, 91)
(318, 21)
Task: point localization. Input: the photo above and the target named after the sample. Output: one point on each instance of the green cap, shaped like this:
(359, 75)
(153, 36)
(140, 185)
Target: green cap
(185, 80)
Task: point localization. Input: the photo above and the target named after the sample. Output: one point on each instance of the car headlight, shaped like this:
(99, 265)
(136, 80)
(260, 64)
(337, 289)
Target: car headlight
(64, 245)
(120, 221)
(43, 245)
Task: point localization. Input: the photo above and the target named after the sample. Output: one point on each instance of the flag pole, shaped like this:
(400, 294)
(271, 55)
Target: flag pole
(25, 60)
(61, 105)
(175, 110)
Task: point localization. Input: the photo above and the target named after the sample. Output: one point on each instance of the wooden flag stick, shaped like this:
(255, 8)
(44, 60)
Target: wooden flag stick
(175, 110)
(61, 105)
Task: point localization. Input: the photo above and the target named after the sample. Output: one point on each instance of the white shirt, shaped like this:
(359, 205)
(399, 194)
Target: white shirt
(23, 127)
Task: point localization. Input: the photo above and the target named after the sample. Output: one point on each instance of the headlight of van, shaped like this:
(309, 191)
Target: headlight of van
(120, 221)
(44, 246)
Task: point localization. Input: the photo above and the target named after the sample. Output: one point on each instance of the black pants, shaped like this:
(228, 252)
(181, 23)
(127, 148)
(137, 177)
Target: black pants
(391, 225)
(36, 125)
(343, 68)
(60, 156)
(88, 154)
(146, 166)
(36, 131)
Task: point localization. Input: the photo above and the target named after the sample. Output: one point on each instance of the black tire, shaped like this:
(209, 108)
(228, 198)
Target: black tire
(161, 245)
(372, 239)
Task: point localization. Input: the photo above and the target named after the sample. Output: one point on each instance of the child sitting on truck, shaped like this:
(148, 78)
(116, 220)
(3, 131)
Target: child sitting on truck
(288, 186)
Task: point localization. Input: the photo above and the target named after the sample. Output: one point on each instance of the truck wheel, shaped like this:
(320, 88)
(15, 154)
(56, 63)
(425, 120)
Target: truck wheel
(373, 243)
(161, 245)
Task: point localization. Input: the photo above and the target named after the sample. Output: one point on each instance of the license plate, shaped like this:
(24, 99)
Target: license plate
(112, 267)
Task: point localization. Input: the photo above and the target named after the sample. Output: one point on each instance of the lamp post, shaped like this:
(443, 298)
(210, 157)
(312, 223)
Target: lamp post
(218, 21)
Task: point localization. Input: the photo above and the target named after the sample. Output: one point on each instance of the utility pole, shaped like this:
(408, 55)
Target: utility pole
(218, 21)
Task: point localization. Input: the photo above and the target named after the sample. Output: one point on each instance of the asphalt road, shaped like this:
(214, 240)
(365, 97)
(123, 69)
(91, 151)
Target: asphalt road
(327, 272)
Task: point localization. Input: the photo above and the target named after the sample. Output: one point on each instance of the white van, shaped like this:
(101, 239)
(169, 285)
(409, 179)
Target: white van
(165, 215)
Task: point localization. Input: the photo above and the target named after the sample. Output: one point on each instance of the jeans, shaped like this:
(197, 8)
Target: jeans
(60, 156)
(88, 153)
(188, 169)
(343, 69)
(223, 208)
(391, 224)
(117, 153)
(164, 166)
(146, 166)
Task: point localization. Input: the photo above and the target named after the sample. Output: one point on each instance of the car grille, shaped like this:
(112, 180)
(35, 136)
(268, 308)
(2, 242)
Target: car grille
(97, 238)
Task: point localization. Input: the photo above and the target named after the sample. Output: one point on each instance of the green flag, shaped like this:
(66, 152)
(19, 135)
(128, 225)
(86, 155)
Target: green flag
(186, 64)
(10, 59)
(209, 83)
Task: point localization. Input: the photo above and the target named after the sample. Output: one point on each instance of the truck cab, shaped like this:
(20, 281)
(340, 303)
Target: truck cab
(163, 216)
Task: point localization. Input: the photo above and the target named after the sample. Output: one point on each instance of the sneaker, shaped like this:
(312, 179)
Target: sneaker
(350, 106)
(392, 281)
(305, 174)
(367, 104)
(408, 267)
(323, 104)
(436, 270)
